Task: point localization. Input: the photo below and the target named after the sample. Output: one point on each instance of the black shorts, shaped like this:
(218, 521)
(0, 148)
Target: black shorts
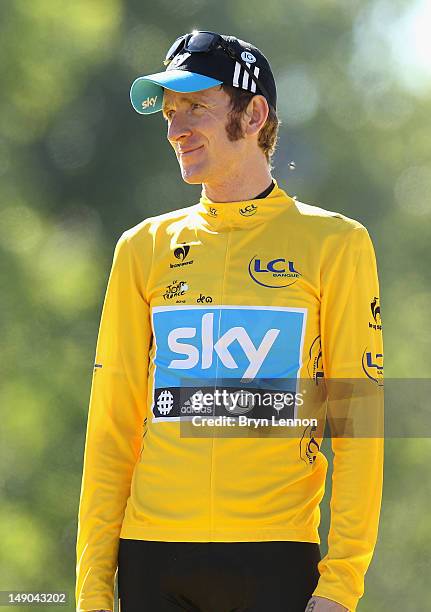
(216, 576)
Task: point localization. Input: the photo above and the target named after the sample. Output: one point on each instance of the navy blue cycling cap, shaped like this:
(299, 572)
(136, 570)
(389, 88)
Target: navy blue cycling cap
(201, 60)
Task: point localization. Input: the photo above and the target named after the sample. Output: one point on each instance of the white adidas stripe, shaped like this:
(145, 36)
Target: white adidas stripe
(247, 82)
(245, 77)
(253, 83)
(236, 73)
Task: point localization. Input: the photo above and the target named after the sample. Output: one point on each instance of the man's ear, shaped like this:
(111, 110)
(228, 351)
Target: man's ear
(255, 115)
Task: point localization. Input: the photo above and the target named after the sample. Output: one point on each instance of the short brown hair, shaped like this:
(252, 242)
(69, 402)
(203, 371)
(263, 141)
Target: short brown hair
(268, 135)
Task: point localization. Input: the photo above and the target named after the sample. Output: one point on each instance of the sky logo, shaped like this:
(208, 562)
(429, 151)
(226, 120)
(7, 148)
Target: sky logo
(221, 348)
(149, 102)
(219, 342)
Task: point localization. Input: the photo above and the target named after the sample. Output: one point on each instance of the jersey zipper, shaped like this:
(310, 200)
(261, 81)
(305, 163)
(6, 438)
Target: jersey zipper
(213, 439)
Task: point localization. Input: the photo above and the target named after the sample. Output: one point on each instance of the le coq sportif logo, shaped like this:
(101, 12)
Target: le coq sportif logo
(375, 311)
(181, 252)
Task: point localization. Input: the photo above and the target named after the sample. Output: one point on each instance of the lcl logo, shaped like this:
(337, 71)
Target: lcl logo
(248, 211)
(248, 57)
(273, 273)
(372, 365)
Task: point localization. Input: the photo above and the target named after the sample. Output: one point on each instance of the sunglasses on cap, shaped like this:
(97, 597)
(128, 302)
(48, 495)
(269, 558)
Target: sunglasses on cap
(205, 42)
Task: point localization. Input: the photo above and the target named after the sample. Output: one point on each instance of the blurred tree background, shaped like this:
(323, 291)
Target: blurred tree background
(78, 167)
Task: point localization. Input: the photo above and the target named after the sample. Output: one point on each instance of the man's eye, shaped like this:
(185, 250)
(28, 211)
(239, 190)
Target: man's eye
(168, 114)
(196, 105)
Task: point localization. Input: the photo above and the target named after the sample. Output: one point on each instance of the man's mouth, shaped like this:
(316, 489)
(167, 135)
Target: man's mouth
(186, 152)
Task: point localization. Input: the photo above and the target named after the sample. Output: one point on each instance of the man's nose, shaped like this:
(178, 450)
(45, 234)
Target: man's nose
(178, 128)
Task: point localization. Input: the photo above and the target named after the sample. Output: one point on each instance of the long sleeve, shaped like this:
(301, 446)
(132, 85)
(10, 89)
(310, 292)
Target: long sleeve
(114, 428)
(352, 352)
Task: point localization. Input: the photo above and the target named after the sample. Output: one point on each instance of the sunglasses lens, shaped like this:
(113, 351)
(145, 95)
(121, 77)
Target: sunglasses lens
(200, 42)
(173, 50)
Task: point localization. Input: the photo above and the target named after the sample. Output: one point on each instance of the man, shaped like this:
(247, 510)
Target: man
(250, 290)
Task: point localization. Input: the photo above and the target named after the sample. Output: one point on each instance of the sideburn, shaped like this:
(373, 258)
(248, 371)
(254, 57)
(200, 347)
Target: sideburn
(233, 126)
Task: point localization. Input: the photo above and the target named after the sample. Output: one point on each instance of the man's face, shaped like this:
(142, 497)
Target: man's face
(196, 130)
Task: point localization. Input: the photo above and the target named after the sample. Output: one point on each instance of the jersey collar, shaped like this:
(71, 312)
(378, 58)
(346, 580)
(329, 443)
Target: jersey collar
(245, 213)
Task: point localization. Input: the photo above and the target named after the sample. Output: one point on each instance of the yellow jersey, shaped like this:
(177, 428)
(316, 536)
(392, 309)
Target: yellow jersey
(260, 295)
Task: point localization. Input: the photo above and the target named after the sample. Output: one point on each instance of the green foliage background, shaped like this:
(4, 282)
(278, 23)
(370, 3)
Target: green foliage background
(78, 167)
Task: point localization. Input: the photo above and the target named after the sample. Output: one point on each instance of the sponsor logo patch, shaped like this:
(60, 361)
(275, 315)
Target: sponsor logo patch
(273, 273)
(372, 365)
(375, 312)
(165, 402)
(149, 102)
(181, 253)
(315, 363)
(175, 289)
(258, 347)
(248, 57)
(309, 446)
(202, 299)
(248, 211)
